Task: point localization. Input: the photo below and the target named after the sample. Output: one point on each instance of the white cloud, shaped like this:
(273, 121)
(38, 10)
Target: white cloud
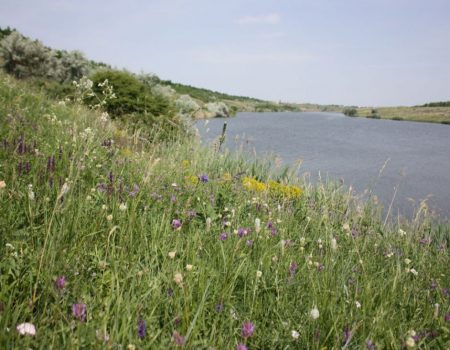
(272, 18)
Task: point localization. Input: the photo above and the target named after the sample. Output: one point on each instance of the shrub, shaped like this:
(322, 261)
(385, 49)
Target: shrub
(374, 114)
(219, 109)
(24, 58)
(73, 66)
(132, 96)
(351, 112)
(186, 105)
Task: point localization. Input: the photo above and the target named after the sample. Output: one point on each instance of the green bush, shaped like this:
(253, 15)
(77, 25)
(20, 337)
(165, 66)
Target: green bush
(132, 96)
(351, 112)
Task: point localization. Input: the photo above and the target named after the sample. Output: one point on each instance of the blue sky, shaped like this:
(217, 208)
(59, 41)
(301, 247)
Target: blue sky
(354, 52)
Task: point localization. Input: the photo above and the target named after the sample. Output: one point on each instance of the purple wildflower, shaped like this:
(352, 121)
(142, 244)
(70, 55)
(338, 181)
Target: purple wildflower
(370, 345)
(223, 236)
(141, 328)
(446, 292)
(60, 282)
(242, 232)
(178, 339)
(79, 311)
(203, 178)
(241, 346)
(347, 335)
(447, 318)
(170, 292)
(173, 198)
(135, 191)
(273, 231)
(101, 187)
(425, 241)
(293, 268)
(270, 225)
(433, 284)
(247, 329)
(287, 243)
(176, 224)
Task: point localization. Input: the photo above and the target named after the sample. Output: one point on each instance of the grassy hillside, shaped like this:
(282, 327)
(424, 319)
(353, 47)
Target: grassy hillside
(111, 240)
(431, 114)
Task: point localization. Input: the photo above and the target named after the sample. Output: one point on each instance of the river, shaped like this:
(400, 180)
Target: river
(415, 157)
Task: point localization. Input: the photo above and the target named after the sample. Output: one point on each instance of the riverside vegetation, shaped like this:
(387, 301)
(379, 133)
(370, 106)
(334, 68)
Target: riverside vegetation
(131, 235)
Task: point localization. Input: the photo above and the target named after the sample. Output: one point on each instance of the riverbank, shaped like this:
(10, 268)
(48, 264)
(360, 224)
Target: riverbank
(112, 240)
(417, 114)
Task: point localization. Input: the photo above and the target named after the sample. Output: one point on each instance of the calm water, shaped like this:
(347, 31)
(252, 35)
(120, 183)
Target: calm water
(352, 149)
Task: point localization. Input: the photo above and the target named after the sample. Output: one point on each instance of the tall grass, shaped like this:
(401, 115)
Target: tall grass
(158, 241)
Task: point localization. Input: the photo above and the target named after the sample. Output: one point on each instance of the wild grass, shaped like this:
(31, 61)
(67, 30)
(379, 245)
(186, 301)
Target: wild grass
(418, 113)
(109, 240)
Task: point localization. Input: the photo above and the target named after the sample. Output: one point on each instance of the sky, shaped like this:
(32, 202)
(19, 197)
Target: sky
(351, 52)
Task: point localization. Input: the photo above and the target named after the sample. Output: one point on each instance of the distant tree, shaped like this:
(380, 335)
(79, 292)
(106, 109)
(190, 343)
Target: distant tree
(351, 112)
(5, 32)
(437, 104)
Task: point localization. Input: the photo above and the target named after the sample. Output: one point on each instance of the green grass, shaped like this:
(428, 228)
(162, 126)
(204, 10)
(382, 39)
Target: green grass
(440, 114)
(111, 240)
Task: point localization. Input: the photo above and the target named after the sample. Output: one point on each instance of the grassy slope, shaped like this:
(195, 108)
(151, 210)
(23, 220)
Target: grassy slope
(419, 114)
(119, 266)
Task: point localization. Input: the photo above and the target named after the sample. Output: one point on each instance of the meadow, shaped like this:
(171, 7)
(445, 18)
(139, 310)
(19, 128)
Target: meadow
(116, 239)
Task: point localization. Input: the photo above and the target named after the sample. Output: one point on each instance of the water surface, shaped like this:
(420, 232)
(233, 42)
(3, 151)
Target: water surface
(416, 155)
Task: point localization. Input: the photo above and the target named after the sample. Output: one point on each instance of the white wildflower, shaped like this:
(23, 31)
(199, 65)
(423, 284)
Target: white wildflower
(172, 254)
(333, 244)
(257, 225)
(26, 329)
(436, 310)
(410, 342)
(314, 313)
(189, 267)
(31, 195)
(258, 273)
(104, 117)
(122, 207)
(295, 334)
(178, 278)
